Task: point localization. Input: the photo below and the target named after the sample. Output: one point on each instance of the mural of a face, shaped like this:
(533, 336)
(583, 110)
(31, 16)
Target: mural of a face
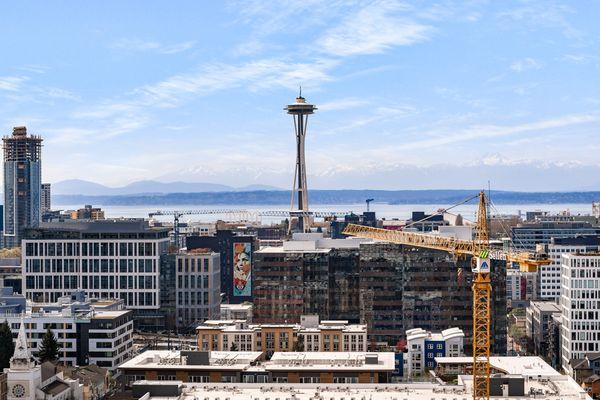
(242, 269)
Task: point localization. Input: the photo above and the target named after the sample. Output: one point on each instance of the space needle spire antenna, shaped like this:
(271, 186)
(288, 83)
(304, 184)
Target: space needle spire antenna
(300, 110)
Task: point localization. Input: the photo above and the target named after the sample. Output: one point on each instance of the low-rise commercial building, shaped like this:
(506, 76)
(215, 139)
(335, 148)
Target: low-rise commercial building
(529, 377)
(310, 336)
(246, 367)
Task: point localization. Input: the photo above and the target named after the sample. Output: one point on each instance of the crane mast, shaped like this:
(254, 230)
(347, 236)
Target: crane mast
(482, 254)
(482, 294)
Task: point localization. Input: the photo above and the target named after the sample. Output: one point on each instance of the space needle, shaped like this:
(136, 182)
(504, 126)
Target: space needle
(300, 110)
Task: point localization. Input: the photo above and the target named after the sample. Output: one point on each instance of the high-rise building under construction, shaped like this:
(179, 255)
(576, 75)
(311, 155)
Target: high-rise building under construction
(22, 184)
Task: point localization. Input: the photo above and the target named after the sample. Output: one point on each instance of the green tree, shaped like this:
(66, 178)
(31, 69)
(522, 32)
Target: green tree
(299, 345)
(7, 345)
(233, 347)
(49, 348)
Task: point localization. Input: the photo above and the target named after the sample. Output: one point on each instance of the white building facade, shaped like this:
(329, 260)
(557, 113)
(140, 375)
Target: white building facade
(106, 259)
(108, 335)
(580, 306)
(549, 275)
(423, 347)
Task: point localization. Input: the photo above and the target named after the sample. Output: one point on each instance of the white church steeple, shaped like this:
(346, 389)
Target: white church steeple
(21, 358)
(24, 377)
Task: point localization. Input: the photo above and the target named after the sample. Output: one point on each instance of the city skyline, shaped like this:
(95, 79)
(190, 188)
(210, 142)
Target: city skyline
(410, 95)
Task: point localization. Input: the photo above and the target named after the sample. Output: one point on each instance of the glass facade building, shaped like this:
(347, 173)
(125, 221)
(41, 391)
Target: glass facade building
(22, 184)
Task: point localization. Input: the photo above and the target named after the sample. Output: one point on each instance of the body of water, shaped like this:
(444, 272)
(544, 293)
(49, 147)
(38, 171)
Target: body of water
(387, 211)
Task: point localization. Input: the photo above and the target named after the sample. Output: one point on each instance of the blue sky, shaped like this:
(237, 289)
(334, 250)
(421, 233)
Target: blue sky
(411, 95)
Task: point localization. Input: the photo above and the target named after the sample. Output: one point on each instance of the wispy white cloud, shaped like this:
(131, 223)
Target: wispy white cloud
(374, 29)
(12, 83)
(157, 47)
(477, 132)
(378, 115)
(580, 58)
(525, 64)
(34, 68)
(260, 74)
(49, 92)
(135, 110)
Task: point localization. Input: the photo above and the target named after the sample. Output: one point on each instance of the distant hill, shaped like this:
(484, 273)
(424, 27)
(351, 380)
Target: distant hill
(340, 197)
(87, 188)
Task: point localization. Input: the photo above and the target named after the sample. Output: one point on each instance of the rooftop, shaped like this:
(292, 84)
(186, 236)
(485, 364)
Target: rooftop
(410, 391)
(419, 333)
(341, 361)
(232, 325)
(527, 365)
(55, 388)
(129, 225)
(214, 360)
(545, 306)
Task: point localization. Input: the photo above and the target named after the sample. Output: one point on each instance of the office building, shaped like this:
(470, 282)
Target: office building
(46, 203)
(422, 347)
(22, 184)
(388, 287)
(580, 307)
(116, 259)
(539, 314)
(549, 275)
(518, 378)
(187, 229)
(197, 287)
(528, 235)
(337, 226)
(87, 332)
(521, 288)
(237, 263)
(404, 287)
(87, 212)
(309, 274)
(309, 335)
(247, 367)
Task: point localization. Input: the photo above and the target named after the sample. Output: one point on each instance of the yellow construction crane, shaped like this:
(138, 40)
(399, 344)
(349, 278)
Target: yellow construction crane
(482, 254)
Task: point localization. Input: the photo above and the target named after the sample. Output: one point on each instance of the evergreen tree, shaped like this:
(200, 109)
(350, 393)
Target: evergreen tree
(7, 345)
(49, 348)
